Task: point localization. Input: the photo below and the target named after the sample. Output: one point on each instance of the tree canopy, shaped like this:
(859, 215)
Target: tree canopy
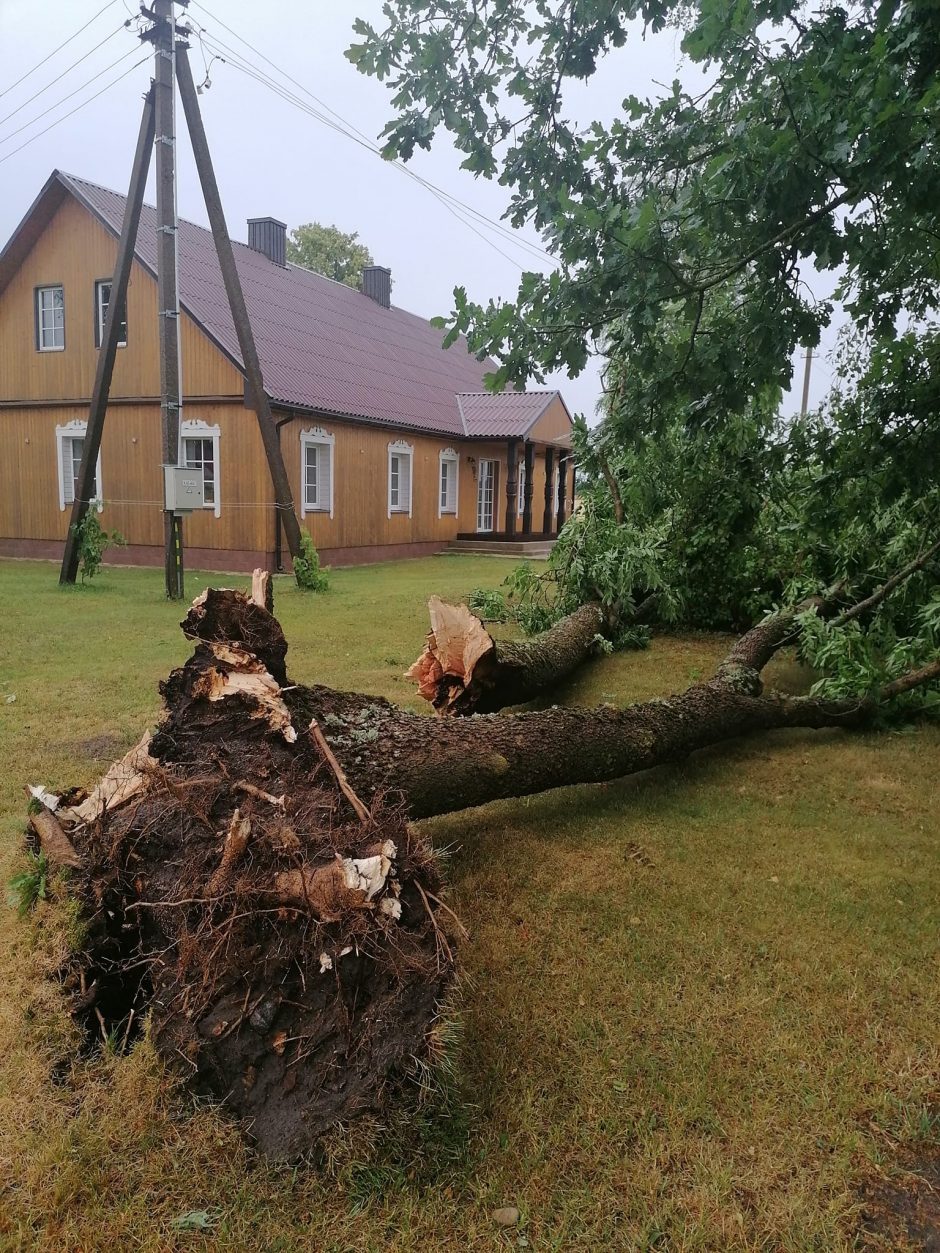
(813, 145)
(328, 250)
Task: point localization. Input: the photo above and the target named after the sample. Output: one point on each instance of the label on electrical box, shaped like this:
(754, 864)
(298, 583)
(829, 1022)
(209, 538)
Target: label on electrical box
(183, 489)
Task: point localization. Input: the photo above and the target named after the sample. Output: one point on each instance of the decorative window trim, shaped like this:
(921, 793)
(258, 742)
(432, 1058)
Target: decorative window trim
(37, 316)
(99, 320)
(401, 449)
(450, 456)
(315, 435)
(195, 428)
(76, 429)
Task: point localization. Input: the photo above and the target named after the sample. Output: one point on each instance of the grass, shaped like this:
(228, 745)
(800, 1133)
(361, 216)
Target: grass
(700, 1008)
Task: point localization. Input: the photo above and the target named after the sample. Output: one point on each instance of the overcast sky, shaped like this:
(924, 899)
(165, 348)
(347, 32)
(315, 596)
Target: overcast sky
(271, 158)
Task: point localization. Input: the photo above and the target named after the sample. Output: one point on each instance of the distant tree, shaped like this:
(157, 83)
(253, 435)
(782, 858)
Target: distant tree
(329, 251)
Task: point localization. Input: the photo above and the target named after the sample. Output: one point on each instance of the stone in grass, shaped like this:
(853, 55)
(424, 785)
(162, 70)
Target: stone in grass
(506, 1216)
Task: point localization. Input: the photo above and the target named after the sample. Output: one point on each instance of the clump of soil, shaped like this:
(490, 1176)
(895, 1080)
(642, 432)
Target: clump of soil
(289, 944)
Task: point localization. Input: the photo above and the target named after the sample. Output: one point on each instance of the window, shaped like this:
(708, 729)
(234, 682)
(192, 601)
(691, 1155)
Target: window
(50, 319)
(199, 450)
(520, 494)
(447, 502)
(102, 301)
(400, 457)
(70, 444)
(316, 471)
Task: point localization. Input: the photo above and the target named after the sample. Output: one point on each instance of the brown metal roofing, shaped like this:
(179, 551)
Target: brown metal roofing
(323, 346)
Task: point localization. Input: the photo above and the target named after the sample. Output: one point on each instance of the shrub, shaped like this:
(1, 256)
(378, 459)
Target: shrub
(307, 567)
(93, 542)
(31, 885)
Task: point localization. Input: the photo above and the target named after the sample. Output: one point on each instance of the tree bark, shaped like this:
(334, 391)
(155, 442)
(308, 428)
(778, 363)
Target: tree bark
(464, 670)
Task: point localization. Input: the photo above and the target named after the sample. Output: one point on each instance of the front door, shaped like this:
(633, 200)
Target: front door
(486, 495)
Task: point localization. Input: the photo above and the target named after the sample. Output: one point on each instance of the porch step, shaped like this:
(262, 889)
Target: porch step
(538, 550)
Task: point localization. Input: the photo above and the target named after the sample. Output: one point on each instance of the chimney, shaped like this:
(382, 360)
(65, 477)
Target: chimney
(269, 236)
(377, 284)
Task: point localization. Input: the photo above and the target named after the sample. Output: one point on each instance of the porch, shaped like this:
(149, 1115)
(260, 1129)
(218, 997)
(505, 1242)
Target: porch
(511, 517)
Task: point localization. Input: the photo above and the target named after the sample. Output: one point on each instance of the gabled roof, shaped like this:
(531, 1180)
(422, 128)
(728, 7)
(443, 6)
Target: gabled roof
(504, 413)
(323, 346)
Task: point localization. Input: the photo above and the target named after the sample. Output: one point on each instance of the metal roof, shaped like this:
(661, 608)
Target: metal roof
(503, 413)
(324, 346)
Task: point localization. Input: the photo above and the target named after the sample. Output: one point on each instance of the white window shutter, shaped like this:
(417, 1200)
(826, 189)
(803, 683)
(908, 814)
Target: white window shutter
(405, 489)
(325, 477)
(68, 481)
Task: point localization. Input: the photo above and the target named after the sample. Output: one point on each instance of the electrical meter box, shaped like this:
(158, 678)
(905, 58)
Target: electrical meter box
(182, 489)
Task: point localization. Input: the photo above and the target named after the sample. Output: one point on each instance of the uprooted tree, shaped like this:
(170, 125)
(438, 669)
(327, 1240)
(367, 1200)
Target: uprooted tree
(250, 878)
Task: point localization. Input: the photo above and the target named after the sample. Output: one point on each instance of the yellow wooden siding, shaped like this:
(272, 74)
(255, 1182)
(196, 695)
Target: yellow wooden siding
(131, 477)
(75, 250)
(553, 423)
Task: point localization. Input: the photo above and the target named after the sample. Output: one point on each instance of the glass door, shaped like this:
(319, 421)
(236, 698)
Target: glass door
(486, 495)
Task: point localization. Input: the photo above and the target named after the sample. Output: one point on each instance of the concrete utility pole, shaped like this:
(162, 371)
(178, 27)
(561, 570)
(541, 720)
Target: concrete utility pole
(168, 307)
(804, 407)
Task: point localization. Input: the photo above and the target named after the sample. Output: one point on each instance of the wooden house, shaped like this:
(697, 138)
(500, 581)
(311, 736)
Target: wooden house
(393, 446)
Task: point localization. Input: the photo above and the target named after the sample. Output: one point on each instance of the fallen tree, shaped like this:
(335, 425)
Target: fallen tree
(249, 874)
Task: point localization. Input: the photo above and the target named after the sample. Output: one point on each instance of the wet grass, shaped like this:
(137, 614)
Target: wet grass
(701, 1006)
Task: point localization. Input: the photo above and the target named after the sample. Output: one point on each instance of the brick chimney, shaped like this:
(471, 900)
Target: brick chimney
(269, 236)
(377, 284)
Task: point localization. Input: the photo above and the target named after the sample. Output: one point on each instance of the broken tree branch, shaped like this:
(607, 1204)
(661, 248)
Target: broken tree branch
(464, 670)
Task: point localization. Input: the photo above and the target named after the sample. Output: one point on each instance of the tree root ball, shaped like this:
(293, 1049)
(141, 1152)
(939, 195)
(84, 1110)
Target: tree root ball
(291, 947)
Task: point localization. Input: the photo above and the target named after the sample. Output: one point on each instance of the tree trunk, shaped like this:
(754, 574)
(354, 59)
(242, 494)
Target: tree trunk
(463, 670)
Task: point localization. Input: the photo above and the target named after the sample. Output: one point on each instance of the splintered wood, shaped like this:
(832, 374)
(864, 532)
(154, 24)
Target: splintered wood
(455, 644)
(125, 779)
(245, 675)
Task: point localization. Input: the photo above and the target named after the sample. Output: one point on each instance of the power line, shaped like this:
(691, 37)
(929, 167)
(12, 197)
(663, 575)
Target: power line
(62, 45)
(350, 131)
(291, 99)
(42, 90)
(71, 112)
(94, 78)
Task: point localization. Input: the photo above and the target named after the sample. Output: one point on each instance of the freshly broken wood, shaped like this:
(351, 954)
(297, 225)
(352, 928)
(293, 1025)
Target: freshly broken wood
(338, 771)
(464, 670)
(124, 780)
(58, 848)
(262, 593)
(236, 841)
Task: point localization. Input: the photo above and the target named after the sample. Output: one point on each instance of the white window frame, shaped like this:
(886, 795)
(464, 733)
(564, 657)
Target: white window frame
(76, 429)
(325, 441)
(401, 449)
(37, 314)
(520, 488)
(448, 457)
(195, 428)
(99, 314)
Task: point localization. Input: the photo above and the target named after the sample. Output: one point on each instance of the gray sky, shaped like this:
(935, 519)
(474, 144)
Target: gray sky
(271, 158)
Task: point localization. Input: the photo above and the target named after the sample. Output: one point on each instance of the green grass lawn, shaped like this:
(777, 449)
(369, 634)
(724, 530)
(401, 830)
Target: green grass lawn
(701, 1007)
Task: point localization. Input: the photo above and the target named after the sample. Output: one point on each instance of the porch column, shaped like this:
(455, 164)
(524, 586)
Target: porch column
(527, 489)
(512, 485)
(562, 486)
(549, 513)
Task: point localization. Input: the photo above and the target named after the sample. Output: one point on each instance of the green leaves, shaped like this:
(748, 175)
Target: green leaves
(330, 251)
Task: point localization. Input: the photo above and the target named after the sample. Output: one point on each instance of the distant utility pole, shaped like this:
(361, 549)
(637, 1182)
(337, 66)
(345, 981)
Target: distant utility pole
(804, 407)
(168, 305)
